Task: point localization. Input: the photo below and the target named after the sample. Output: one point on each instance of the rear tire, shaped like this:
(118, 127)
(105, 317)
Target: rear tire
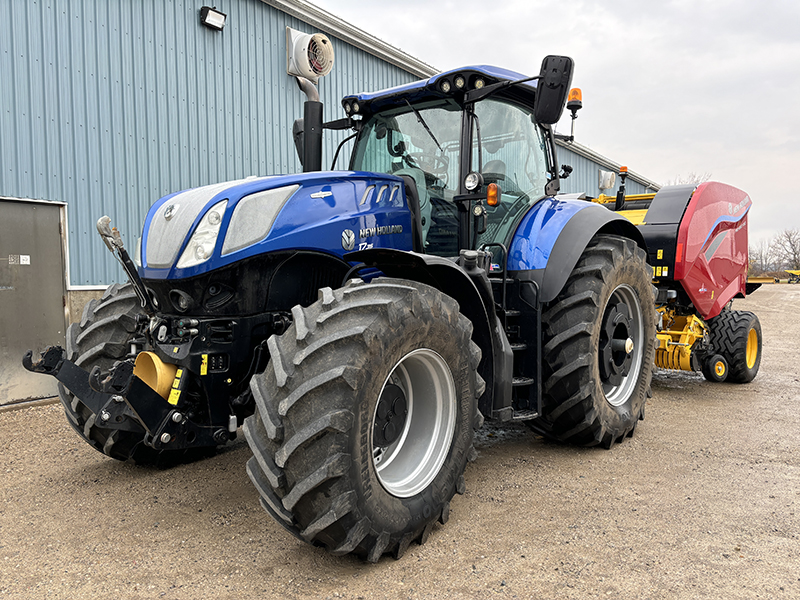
(736, 335)
(598, 346)
(365, 416)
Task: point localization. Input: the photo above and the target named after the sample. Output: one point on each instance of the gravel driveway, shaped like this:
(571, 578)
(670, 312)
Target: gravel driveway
(701, 503)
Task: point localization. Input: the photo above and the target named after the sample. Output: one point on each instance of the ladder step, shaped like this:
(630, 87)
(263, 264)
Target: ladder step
(512, 313)
(524, 415)
(518, 346)
(521, 381)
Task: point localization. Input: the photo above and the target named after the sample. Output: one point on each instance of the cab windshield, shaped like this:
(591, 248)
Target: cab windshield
(508, 148)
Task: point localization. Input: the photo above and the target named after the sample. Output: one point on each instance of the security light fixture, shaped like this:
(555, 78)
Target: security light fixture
(212, 18)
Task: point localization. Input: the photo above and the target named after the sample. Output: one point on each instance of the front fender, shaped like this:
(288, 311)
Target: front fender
(552, 236)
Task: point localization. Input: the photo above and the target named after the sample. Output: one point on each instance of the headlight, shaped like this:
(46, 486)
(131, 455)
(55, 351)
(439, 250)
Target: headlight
(202, 243)
(473, 181)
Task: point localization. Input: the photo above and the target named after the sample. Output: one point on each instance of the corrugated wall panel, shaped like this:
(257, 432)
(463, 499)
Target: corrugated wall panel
(585, 177)
(110, 104)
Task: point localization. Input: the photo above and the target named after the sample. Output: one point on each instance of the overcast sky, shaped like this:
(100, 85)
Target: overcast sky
(669, 88)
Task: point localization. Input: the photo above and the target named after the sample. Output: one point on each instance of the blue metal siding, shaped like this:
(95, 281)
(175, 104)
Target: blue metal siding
(110, 104)
(585, 177)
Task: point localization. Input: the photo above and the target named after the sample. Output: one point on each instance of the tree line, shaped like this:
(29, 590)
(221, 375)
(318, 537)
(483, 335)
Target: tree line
(774, 256)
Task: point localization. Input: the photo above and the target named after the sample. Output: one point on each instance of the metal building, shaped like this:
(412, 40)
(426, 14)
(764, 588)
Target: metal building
(107, 105)
(592, 174)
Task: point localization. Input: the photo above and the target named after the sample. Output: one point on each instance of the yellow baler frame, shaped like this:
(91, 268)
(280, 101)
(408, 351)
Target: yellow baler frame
(677, 338)
(635, 216)
(679, 335)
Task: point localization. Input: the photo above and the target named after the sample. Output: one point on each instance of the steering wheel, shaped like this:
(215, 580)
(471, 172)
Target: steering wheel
(432, 163)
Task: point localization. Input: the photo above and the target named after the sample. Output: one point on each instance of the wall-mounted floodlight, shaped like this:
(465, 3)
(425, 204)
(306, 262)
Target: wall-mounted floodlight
(212, 18)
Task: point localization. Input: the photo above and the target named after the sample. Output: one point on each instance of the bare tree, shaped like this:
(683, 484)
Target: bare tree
(690, 177)
(787, 248)
(762, 257)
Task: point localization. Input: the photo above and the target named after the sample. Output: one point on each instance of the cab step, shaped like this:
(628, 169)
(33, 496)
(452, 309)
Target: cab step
(524, 415)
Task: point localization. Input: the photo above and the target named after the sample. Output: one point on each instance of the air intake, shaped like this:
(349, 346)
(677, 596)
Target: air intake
(308, 55)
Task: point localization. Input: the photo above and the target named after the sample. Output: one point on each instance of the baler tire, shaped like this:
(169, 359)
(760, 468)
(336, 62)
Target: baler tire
(313, 435)
(736, 335)
(101, 337)
(715, 368)
(583, 403)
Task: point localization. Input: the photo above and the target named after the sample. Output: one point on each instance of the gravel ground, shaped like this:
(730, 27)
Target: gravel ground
(701, 503)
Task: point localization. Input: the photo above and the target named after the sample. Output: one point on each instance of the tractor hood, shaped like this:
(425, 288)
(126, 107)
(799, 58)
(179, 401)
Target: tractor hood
(201, 229)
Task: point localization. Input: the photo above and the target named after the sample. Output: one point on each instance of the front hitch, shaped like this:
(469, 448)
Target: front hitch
(120, 400)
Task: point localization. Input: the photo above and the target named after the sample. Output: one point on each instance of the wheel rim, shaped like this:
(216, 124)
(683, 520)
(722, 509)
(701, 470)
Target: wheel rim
(752, 348)
(413, 423)
(621, 345)
(719, 368)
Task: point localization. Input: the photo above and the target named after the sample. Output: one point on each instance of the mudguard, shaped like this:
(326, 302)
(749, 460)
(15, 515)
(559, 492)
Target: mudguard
(552, 236)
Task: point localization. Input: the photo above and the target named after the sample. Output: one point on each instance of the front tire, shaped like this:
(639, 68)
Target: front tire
(598, 346)
(365, 415)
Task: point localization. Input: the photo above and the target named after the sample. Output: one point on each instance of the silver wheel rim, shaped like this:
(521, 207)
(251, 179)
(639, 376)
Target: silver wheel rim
(617, 395)
(410, 463)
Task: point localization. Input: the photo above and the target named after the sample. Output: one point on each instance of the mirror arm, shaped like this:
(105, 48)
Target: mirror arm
(340, 124)
(485, 92)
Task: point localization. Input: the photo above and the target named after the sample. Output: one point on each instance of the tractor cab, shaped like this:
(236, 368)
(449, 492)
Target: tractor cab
(469, 147)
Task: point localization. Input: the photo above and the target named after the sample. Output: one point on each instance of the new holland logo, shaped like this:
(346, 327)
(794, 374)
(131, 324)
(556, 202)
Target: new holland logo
(170, 211)
(348, 239)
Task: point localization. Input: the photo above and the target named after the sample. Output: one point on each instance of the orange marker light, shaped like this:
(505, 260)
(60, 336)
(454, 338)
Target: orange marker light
(493, 194)
(623, 169)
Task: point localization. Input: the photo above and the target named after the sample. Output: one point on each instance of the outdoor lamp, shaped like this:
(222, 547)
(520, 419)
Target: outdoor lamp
(212, 18)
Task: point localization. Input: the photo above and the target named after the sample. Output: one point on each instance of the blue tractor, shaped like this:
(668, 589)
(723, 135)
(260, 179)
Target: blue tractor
(359, 325)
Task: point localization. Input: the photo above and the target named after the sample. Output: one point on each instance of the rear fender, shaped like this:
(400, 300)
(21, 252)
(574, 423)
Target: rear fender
(552, 237)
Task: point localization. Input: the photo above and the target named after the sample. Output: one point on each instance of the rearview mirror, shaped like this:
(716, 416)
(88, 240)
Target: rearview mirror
(552, 88)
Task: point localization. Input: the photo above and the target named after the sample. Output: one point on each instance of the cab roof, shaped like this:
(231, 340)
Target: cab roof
(441, 86)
